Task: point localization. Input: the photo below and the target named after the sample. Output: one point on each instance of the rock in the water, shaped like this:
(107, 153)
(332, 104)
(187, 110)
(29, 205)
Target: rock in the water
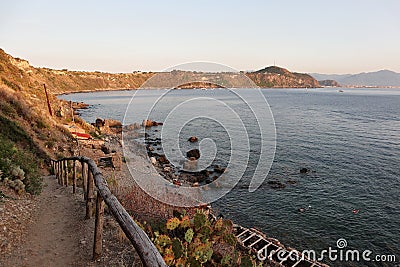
(153, 160)
(304, 170)
(193, 139)
(112, 123)
(190, 165)
(132, 127)
(147, 123)
(195, 153)
(276, 184)
(218, 169)
(150, 123)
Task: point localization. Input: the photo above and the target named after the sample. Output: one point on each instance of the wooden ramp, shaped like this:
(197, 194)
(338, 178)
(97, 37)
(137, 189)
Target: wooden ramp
(272, 250)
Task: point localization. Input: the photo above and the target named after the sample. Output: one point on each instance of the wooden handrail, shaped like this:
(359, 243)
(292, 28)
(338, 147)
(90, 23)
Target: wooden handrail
(148, 253)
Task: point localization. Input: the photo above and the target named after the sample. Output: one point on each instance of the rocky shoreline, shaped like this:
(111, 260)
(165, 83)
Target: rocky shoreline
(188, 173)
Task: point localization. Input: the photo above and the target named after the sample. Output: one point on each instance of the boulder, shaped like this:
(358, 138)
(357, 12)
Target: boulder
(193, 139)
(147, 123)
(132, 127)
(276, 184)
(150, 123)
(106, 162)
(190, 165)
(218, 169)
(112, 123)
(304, 170)
(195, 153)
(117, 161)
(163, 159)
(105, 149)
(99, 123)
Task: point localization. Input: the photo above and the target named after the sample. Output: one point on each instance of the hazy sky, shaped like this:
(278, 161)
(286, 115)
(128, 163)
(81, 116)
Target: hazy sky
(341, 36)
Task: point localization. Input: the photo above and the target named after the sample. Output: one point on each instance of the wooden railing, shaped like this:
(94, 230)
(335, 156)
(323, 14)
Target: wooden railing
(92, 178)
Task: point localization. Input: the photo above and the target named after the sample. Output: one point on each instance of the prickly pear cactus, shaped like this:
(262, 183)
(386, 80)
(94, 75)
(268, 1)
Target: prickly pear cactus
(247, 261)
(177, 248)
(203, 252)
(219, 224)
(189, 235)
(199, 220)
(230, 239)
(185, 222)
(205, 233)
(181, 262)
(186, 241)
(163, 240)
(173, 223)
(169, 258)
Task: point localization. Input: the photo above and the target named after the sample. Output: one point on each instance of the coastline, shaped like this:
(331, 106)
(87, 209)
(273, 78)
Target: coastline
(275, 87)
(162, 211)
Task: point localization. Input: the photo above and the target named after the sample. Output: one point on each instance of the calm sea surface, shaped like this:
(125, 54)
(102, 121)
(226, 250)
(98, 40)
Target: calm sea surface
(350, 141)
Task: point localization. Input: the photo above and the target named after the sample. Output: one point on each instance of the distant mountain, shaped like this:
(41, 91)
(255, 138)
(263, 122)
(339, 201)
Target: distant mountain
(335, 77)
(277, 77)
(378, 78)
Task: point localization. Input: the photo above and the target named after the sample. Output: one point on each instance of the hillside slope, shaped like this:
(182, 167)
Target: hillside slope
(279, 77)
(18, 73)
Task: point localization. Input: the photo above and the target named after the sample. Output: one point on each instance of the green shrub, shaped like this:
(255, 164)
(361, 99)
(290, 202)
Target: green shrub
(19, 159)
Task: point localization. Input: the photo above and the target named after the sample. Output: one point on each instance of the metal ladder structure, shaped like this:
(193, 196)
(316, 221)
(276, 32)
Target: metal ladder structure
(272, 250)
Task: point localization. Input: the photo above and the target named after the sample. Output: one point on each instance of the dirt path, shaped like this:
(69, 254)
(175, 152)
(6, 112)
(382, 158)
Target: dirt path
(59, 234)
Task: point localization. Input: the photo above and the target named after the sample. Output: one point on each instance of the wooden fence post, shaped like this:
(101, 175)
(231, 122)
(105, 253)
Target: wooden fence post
(90, 194)
(84, 179)
(62, 172)
(55, 169)
(98, 229)
(74, 177)
(58, 171)
(66, 172)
